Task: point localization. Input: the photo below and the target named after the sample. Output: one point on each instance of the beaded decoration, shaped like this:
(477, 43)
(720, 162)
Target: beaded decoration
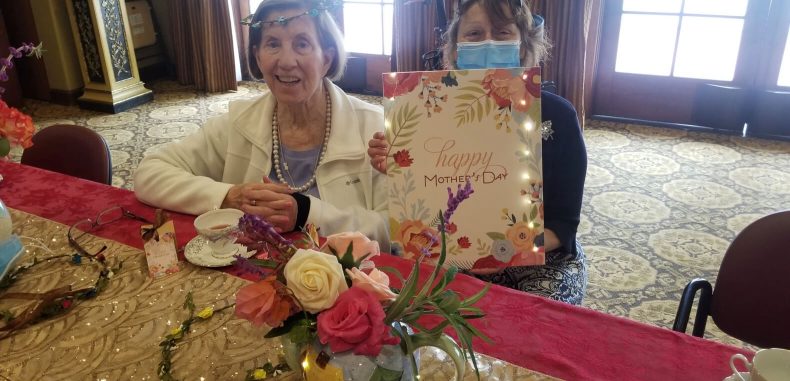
(277, 149)
(323, 5)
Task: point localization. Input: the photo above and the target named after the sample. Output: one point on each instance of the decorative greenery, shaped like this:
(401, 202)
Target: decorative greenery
(477, 104)
(177, 334)
(53, 302)
(269, 300)
(399, 134)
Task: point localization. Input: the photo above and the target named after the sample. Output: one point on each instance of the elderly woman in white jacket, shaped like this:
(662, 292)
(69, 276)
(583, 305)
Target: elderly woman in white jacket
(295, 155)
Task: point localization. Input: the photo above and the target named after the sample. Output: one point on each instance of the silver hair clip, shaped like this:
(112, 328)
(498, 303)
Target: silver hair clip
(282, 20)
(537, 21)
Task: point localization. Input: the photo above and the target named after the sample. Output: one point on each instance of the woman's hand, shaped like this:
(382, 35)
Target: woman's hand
(377, 150)
(269, 200)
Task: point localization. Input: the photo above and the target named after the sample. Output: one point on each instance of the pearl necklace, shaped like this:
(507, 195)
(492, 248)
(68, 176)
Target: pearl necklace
(278, 149)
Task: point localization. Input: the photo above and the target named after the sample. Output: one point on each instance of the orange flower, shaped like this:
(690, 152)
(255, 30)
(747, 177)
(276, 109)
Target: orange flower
(417, 237)
(506, 89)
(521, 236)
(265, 302)
(15, 126)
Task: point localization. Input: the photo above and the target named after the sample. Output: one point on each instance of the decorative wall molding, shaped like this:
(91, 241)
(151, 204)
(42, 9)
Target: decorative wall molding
(116, 39)
(90, 48)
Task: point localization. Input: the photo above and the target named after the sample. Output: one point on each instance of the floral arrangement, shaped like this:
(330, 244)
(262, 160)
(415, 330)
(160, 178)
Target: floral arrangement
(335, 293)
(16, 127)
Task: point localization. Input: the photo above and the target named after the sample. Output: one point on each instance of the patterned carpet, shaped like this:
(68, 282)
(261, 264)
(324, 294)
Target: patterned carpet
(660, 207)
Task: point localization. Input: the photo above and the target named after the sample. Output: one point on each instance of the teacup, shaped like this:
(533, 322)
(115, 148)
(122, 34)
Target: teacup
(219, 227)
(768, 365)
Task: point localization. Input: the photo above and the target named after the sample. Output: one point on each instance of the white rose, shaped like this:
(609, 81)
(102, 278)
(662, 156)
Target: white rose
(315, 278)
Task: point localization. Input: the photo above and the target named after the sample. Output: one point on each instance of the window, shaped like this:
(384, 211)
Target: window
(681, 38)
(368, 26)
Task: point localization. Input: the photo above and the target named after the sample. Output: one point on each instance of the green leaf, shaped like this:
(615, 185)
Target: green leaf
(466, 97)
(404, 298)
(496, 235)
(384, 374)
(5, 146)
(475, 89)
(524, 217)
(347, 260)
(476, 297)
(479, 112)
(289, 324)
(448, 277)
(267, 263)
(189, 304)
(301, 333)
(449, 302)
(533, 214)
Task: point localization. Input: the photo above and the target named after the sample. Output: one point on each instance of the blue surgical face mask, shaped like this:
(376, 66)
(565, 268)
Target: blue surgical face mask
(488, 54)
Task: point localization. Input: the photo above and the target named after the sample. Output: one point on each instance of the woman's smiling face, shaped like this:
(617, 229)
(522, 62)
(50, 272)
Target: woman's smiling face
(291, 58)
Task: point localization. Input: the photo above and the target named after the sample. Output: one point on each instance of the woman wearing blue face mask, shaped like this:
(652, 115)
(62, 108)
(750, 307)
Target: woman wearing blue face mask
(499, 34)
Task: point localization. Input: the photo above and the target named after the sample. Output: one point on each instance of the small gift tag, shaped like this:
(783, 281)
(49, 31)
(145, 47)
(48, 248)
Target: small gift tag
(159, 241)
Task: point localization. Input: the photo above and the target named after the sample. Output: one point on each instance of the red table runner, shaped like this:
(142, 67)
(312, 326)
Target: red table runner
(554, 338)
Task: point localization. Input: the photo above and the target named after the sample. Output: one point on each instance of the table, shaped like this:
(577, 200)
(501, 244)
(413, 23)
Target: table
(541, 335)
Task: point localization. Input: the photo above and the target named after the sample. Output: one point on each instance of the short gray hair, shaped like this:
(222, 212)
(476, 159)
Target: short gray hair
(535, 45)
(329, 35)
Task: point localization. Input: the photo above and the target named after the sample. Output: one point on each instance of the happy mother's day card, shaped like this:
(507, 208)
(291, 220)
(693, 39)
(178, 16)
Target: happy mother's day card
(449, 127)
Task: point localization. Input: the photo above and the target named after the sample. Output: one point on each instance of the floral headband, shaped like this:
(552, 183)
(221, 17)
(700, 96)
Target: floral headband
(321, 5)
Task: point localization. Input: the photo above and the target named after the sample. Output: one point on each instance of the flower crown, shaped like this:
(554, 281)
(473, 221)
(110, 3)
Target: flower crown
(321, 5)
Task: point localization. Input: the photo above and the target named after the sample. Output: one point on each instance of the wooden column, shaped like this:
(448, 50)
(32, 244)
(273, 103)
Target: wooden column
(107, 60)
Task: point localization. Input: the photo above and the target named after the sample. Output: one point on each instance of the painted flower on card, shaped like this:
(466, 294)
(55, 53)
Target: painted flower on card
(451, 228)
(521, 236)
(533, 81)
(396, 84)
(403, 158)
(464, 243)
(506, 89)
(502, 250)
(417, 238)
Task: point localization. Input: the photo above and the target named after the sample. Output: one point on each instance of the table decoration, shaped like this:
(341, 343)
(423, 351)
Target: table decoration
(336, 314)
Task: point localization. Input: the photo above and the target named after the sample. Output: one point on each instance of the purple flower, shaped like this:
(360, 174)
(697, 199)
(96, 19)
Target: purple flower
(257, 229)
(17, 53)
(3, 75)
(248, 267)
(453, 201)
(6, 62)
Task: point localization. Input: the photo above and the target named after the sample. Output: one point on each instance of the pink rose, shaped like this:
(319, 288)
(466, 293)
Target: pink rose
(362, 245)
(355, 322)
(376, 283)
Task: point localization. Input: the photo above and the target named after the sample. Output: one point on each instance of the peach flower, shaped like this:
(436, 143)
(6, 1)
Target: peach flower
(376, 283)
(521, 236)
(362, 245)
(506, 89)
(266, 302)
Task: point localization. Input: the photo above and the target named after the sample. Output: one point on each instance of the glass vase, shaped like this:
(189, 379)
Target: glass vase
(317, 361)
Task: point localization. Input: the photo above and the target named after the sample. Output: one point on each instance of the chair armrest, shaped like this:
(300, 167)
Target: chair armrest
(687, 301)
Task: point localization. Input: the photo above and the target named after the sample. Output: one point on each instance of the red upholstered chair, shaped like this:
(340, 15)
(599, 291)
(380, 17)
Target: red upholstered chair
(73, 150)
(751, 300)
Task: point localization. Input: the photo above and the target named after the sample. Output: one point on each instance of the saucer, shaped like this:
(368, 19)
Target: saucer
(734, 377)
(199, 253)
